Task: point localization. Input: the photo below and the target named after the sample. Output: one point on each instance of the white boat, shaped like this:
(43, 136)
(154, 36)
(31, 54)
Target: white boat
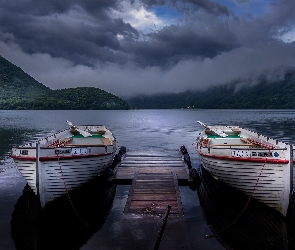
(63, 161)
(252, 163)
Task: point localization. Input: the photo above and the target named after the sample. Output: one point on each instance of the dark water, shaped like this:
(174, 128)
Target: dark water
(100, 223)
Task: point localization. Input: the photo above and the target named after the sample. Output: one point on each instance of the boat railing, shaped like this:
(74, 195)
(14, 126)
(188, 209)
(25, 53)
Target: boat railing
(239, 146)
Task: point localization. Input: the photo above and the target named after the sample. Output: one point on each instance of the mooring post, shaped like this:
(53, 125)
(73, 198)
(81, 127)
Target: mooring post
(162, 228)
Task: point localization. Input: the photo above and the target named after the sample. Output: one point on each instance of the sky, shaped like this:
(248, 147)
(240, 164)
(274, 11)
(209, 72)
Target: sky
(148, 46)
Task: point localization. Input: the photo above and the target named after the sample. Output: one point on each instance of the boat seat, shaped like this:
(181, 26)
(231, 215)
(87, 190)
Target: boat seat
(106, 141)
(236, 130)
(245, 140)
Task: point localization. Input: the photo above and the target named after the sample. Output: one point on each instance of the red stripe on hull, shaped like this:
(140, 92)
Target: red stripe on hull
(56, 158)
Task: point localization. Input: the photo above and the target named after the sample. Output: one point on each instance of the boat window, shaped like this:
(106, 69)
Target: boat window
(24, 152)
(265, 154)
(262, 154)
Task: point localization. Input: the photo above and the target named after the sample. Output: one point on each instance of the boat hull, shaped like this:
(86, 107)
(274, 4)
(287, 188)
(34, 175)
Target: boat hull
(60, 163)
(52, 179)
(264, 173)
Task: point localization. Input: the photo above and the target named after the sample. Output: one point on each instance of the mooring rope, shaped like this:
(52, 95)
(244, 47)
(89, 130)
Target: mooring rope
(247, 203)
(67, 191)
(193, 144)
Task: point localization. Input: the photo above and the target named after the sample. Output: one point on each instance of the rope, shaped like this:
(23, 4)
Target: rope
(67, 191)
(191, 145)
(247, 203)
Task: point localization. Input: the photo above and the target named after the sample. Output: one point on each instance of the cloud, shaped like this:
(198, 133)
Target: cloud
(139, 17)
(241, 1)
(74, 34)
(191, 5)
(132, 47)
(175, 43)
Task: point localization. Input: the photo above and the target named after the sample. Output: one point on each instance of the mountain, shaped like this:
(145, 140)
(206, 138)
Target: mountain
(18, 90)
(266, 93)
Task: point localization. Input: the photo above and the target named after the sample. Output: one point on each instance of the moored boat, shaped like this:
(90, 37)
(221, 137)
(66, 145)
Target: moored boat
(250, 162)
(63, 161)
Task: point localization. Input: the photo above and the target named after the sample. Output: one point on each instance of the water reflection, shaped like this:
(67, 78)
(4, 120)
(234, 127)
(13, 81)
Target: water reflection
(281, 129)
(12, 136)
(59, 226)
(259, 227)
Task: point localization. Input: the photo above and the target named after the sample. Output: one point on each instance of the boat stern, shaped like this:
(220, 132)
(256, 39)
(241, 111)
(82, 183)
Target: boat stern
(25, 161)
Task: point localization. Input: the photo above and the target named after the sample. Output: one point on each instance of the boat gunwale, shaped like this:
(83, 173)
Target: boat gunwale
(66, 146)
(241, 146)
(59, 157)
(232, 158)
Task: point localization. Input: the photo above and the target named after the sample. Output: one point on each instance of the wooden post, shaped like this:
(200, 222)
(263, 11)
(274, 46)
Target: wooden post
(291, 195)
(291, 169)
(162, 228)
(37, 167)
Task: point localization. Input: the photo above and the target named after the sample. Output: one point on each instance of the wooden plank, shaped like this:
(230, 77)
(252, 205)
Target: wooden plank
(150, 197)
(157, 210)
(151, 162)
(152, 158)
(153, 153)
(151, 169)
(157, 204)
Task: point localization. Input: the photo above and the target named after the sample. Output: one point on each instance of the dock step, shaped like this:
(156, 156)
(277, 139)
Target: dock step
(151, 193)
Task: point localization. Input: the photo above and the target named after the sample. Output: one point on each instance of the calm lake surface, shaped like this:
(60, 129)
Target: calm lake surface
(208, 208)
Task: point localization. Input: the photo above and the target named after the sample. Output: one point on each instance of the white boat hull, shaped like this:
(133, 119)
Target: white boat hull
(52, 169)
(55, 178)
(265, 173)
(270, 188)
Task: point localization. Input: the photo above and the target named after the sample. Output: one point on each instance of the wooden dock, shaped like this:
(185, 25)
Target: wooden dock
(154, 177)
(164, 162)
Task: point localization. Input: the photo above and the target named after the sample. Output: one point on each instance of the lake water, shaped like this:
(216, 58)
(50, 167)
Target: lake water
(207, 208)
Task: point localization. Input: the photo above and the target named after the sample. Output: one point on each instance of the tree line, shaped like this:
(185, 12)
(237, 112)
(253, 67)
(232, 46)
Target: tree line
(19, 90)
(264, 94)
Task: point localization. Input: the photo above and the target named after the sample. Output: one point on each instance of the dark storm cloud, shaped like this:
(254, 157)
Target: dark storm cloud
(65, 43)
(206, 5)
(241, 1)
(283, 14)
(175, 43)
(45, 27)
(37, 30)
(46, 7)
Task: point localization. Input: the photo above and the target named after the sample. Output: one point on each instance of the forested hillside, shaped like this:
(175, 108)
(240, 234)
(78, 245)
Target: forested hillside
(235, 95)
(18, 90)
